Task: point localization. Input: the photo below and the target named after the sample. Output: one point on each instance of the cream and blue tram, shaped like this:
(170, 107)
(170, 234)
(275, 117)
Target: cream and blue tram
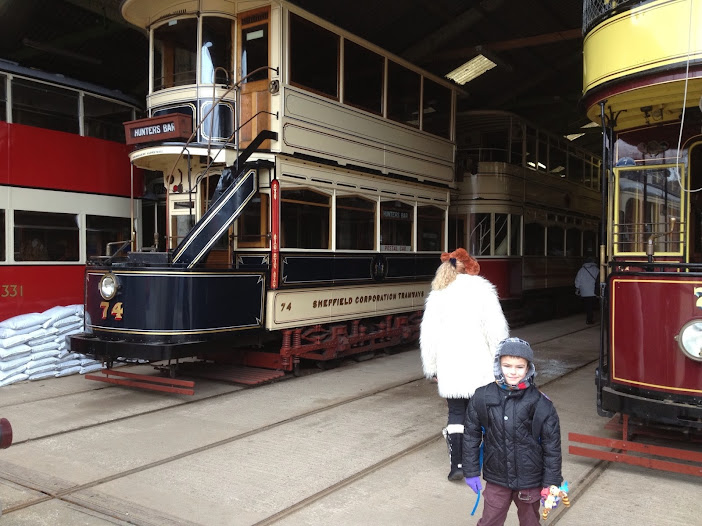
(305, 176)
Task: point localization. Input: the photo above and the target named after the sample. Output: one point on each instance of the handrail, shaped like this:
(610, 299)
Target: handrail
(202, 120)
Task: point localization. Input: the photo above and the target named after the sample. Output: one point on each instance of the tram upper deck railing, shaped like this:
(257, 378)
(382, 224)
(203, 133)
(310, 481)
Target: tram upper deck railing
(594, 11)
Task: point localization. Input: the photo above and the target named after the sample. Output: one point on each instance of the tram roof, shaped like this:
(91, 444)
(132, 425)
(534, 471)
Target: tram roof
(537, 46)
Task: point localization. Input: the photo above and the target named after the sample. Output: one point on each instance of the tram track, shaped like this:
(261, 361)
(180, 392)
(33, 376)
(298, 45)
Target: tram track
(67, 494)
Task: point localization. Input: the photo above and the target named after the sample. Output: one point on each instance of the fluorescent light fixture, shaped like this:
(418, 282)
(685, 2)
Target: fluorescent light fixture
(471, 69)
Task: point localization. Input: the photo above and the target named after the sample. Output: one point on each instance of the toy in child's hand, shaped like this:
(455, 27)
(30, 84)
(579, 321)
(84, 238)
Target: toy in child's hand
(552, 496)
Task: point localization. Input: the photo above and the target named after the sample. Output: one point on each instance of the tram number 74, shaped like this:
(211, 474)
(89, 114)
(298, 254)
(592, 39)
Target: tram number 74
(116, 311)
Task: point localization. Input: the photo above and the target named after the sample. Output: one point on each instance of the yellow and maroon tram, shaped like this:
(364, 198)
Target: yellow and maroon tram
(643, 83)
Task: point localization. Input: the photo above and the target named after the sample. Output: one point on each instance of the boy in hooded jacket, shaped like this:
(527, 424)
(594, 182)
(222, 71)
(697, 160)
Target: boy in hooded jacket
(521, 437)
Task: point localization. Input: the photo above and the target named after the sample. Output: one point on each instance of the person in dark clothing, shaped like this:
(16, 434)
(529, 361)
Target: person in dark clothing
(521, 437)
(585, 287)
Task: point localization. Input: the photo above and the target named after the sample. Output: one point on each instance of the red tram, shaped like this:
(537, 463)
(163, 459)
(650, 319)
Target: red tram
(649, 103)
(55, 213)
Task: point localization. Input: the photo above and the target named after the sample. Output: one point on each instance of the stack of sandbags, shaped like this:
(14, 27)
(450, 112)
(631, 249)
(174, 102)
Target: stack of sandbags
(33, 346)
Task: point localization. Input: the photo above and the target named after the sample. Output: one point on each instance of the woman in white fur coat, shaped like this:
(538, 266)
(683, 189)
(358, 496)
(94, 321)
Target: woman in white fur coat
(462, 324)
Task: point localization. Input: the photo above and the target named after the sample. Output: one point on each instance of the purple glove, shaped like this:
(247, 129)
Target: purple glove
(474, 484)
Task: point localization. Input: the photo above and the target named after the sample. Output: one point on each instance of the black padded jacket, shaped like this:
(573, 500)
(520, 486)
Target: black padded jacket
(512, 456)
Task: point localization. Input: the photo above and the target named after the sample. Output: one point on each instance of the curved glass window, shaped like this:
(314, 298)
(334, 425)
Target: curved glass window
(480, 233)
(175, 53)
(216, 50)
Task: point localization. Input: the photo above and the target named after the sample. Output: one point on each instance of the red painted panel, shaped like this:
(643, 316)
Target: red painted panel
(505, 274)
(4, 157)
(42, 158)
(646, 315)
(37, 288)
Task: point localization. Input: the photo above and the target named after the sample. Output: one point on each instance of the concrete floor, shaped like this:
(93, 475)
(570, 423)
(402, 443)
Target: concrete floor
(90, 454)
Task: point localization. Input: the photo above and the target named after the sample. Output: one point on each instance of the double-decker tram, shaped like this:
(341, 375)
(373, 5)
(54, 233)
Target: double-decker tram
(307, 178)
(643, 83)
(65, 185)
(527, 205)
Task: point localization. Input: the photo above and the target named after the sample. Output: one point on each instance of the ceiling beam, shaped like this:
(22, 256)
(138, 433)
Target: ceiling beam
(453, 29)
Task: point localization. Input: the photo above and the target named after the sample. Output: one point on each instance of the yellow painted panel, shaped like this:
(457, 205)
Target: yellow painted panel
(656, 34)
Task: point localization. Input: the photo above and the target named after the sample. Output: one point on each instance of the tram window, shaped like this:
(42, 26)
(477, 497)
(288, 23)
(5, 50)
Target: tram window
(430, 228)
(219, 123)
(648, 198)
(363, 78)
(558, 156)
(101, 230)
(403, 94)
(103, 118)
(355, 223)
(554, 241)
(515, 234)
(314, 57)
(534, 239)
(2, 235)
(253, 223)
(589, 243)
(530, 157)
(436, 109)
(180, 226)
(457, 232)
(396, 222)
(216, 51)
(516, 146)
(501, 238)
(45, 236)
(480, 234)
(254, 52)
(44, 106)
(573, 242)
(494, 146)
(304, 219)
(542, 163)
(175, 57)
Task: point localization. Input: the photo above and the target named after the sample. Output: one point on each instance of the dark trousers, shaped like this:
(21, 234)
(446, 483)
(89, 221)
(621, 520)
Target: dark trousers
(498, 500)
(457, 410)
(590, 303)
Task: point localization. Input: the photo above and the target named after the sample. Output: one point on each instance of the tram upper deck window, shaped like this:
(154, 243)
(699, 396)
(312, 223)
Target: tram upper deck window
(558, 157)
(430, 228)
(314, 57)
(254, 47)
(304, 219)
(103, 118)
(175, 53)
(44, 106)
(647, 198)
(363, 78)
(216, 50)
(355, 223)
(403, 94)
(396, 225)
(517, 138)
(44, 236)
(436, 109)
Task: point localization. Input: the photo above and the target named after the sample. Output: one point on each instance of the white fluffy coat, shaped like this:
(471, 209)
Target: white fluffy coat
(460, 330)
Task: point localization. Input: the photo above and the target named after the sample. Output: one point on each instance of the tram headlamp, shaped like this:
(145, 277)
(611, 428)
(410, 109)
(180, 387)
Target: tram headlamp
(690, 340)
(108, 286)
